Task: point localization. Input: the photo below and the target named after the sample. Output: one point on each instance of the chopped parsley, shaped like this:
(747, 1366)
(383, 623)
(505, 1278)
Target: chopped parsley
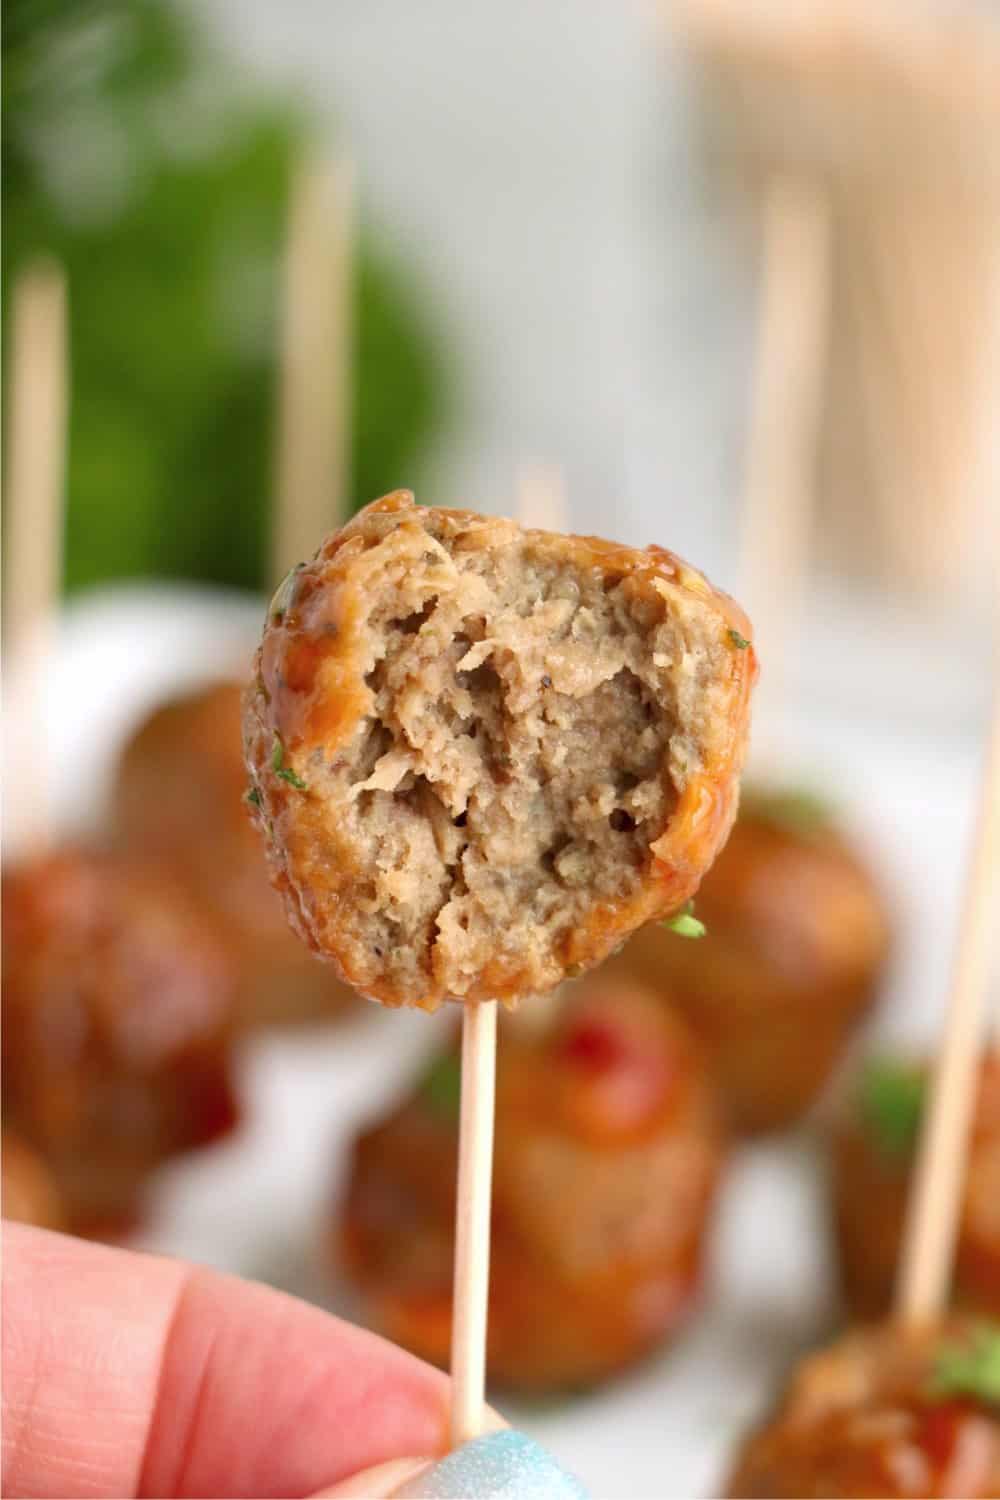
(739, 641)
(441, 1089)
(970, 1368)
(798, 810)
(685, 924)
(891, 1104)
(284, 595)
(253, 797)
(280, 769)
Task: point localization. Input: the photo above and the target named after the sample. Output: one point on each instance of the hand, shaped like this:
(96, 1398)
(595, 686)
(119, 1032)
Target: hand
(130, 1375)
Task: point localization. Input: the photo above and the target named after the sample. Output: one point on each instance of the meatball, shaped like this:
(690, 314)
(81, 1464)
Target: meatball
(884, 1412)
(796, 945)
(180, 796)
(873, 1149)
(608, 1152)
(116, 1002)
(482, 756)
(30, 1194)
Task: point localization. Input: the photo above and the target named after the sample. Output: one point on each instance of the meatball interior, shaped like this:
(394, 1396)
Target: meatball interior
(484, 755)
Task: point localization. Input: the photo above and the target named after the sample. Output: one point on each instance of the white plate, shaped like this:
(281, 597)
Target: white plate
(261, 1204)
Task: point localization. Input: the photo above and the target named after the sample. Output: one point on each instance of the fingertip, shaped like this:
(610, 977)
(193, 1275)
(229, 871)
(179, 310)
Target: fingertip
(379, 1483)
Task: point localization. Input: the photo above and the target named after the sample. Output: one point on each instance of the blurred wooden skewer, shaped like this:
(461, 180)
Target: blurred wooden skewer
(314, 402)
(541, 505)
(34, 500)
(932, 1223)
(785, 414)
(542, 502)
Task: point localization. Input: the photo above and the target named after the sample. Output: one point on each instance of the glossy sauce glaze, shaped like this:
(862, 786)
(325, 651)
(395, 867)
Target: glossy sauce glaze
(797, 941)
(608, 1151)
(869, 1417)
(117, 1005)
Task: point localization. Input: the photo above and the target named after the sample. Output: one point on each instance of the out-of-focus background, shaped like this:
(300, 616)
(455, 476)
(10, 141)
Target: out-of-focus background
(724, 277)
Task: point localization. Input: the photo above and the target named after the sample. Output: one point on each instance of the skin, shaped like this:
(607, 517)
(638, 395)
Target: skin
(130, 1375)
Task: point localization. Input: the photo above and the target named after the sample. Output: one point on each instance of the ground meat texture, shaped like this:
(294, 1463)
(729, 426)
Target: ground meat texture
(30, 1194)
(861, 1419)
(180, 795)
(873, 1147)
(796, 948)
(608, 1153)
(483, 756)
(116, 1007)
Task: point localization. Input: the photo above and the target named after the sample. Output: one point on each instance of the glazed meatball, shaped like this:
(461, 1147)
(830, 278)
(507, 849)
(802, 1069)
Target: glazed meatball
(796, 945)
(116, 1002)
(180, 796)
(884, 1412)
(482, 756)
(608, 1151)
(873, 1149)
(30, 1194)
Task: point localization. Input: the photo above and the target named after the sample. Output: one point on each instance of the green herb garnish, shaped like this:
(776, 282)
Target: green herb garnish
(799, 810)
(280, 769)
(284, 595)
(441, 1089)
(891, 1103)
(253, 797)
(685, 924)
(739, 641)
(971, 1368)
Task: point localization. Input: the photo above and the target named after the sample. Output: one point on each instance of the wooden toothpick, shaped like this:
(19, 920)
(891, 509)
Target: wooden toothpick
(542, 503)
(470, 1296)
(313, 468)
(34, 502)
(932, 1222)
(785, 412)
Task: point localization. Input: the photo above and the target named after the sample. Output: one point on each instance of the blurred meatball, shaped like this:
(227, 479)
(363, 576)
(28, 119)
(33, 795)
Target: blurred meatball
(116, 1004)
(181, 796)
(884, 1412)
(30, 1194)
(483, 756)
(873, 1148)
(796, 945)
(608, 1151)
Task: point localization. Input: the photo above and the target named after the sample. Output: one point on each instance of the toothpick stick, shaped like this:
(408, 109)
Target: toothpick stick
(34, 500)
(785, 411)
(932, 1223)
(312, 471)
(542, 502)
(472, 1221)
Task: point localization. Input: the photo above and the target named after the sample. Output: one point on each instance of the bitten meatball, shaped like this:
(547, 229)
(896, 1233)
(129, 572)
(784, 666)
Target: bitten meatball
(483, 755)
(608, 1151)
(873, 1148)
(30, 1194)
(116, 1003)
(884, 1412)
(796, 945)
(181, 796)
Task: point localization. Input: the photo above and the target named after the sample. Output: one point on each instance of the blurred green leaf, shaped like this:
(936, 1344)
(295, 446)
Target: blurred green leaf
(132, 153)
(971, 1368)
(891, 1097)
